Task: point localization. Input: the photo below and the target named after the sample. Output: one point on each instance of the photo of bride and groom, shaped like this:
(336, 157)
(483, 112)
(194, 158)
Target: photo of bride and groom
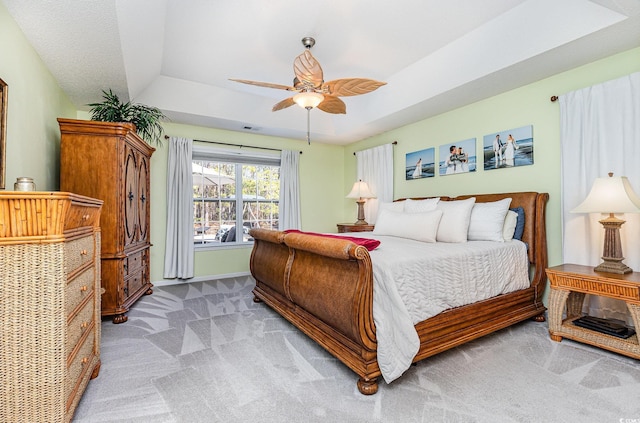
(459, 157)
(510, 148)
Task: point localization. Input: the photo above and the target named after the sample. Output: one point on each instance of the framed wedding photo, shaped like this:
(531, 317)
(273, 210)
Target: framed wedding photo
(510, 148)
(458, 157)
(420, 164)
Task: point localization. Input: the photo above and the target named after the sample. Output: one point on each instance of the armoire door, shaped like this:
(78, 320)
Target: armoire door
(143, 196)
(130, 196)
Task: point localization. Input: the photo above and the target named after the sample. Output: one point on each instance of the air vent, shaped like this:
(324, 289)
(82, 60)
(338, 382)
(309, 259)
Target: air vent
(250, 128)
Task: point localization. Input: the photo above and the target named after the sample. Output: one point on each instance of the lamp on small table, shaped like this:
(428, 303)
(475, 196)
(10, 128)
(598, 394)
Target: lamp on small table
(611, 195)
(361, 191)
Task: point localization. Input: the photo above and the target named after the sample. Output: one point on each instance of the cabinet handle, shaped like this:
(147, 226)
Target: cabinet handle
(143, 198)
(83, 288)
(85, 360)
(84, 326)
(85, 217)
(83, 252)
(130, 195)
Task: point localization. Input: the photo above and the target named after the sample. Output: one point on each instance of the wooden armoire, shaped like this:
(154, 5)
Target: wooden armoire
(109, 161)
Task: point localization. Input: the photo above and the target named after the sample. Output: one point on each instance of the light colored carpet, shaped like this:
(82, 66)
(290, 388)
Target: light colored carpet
(204, 352)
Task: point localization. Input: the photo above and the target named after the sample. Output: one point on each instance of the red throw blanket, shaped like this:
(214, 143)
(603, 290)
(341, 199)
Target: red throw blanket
(369, 244)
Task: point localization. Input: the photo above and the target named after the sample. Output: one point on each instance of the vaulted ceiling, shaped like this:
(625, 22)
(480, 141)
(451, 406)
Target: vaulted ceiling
(435, 55)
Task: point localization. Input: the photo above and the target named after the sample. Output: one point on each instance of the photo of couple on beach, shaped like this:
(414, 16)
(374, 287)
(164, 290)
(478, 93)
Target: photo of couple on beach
(510, 148)
(458, 157)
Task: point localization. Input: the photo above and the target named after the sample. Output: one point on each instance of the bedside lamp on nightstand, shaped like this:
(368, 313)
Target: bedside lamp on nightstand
(611, 195)
(361, 191)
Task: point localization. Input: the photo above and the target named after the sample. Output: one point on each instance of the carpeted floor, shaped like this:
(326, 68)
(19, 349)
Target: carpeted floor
(204, 352)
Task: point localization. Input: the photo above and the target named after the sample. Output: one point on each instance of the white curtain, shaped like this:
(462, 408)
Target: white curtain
(289, 190)
(375, 167)
(600, 133)
(178, 257)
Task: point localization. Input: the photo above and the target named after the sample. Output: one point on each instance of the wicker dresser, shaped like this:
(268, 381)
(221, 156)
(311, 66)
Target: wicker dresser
(49, 303)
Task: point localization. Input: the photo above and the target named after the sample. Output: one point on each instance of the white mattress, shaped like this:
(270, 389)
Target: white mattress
(416, 280)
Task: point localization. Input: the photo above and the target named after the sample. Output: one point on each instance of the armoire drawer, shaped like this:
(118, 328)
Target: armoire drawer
(133, 263)
(133, 283)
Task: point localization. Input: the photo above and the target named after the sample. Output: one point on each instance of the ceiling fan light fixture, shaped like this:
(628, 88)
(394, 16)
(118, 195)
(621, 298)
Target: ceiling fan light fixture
(308, 99)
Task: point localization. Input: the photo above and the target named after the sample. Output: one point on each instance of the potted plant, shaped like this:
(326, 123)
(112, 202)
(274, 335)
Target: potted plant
(145, 118)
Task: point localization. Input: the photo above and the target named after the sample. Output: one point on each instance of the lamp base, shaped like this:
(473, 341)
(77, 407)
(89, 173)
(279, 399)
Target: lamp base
(612, 250)
(360, 220)
(613, 266)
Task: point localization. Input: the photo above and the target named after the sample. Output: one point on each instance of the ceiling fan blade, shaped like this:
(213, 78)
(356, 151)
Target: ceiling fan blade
(308, 70)
(351, 86)
(264, 84)
(332, 104)
(287, 102)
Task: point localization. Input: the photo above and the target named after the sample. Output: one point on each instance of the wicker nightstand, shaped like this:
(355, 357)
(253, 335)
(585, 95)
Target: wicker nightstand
(351, 227)
(570, 283)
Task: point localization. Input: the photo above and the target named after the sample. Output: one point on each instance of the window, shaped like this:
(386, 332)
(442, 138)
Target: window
(232, 191)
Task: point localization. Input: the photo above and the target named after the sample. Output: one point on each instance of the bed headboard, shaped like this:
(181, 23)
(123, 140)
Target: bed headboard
(533, 204)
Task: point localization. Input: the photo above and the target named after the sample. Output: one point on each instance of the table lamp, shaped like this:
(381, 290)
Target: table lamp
(361, 191)
(611, 195)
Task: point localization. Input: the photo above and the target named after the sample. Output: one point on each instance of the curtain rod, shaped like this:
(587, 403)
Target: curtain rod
(394, 143)
(554, 98)
(166, 137)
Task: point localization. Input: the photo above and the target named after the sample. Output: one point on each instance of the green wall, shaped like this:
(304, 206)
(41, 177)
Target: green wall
(527, 105)
(35, 101)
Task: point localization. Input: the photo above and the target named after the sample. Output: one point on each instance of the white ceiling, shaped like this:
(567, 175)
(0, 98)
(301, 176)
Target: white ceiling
(435, 55)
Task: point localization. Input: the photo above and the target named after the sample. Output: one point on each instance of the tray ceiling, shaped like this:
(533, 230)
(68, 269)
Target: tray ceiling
(434, 55)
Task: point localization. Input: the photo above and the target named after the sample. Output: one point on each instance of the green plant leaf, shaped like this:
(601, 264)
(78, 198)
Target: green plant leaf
(146, 118)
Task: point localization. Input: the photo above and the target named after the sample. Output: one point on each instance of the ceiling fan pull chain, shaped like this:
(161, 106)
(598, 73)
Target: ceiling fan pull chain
(308, 125)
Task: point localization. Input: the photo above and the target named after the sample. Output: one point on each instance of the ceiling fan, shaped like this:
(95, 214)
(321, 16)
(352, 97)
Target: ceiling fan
(311, 89)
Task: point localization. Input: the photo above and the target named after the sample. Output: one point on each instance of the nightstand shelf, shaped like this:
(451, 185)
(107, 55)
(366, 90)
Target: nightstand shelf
(570, 283)
(352, 227)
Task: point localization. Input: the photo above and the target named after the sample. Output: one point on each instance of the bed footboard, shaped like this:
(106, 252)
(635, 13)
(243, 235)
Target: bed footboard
(324, 287)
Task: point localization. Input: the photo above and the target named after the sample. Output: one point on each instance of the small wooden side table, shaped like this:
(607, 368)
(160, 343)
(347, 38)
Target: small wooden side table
(569, 285)
(351, 227)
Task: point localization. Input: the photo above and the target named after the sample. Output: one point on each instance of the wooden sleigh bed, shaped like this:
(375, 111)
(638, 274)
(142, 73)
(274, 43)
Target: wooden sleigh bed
(324, 287)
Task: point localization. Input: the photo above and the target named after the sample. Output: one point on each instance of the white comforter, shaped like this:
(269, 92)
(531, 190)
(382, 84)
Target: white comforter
(416, 280)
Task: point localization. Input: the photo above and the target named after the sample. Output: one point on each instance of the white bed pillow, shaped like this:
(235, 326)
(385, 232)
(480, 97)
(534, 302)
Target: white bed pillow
(509, 228)
(487, 220)
(419, 226)
(454, 224)
(420, 206)
(396, 206)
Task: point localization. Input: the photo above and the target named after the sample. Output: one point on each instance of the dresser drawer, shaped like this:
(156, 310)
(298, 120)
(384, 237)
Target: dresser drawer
(79, 363)
(78, 252)
(78, 289)
(80, 323)
(82, 215)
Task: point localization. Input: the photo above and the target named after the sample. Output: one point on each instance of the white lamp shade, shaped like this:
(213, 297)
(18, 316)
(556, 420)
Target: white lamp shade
(308, 99)
(361, 190)
(610, 195)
